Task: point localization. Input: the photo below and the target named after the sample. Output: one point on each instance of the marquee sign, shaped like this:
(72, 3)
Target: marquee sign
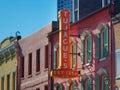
(64, 26)
(65, 73)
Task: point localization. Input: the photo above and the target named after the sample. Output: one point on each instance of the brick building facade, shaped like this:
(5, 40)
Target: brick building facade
(116, 24)
(91, 53)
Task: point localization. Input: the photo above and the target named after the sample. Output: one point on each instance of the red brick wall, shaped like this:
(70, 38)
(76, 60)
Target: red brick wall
(90, 23)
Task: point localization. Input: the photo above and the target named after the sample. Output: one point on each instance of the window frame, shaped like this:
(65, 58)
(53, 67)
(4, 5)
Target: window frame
(46, 87)
(38, 55)
(74, 53)
(86, 50)
(86, 82)
(8, 82)
(102, 41)
(46, 57)
(2, 82)
(22, 66)
(56, 56)
(105, 3)
(100, 79)
(14, 80)
(29, 64)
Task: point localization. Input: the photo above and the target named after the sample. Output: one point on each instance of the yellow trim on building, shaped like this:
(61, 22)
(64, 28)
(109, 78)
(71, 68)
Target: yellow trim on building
(8, 64)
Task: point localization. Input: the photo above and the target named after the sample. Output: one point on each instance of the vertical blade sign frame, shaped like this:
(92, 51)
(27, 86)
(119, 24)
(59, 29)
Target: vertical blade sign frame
(64, 47)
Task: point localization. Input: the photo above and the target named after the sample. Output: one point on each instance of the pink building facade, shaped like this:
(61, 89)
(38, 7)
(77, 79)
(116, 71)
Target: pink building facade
(33, 60)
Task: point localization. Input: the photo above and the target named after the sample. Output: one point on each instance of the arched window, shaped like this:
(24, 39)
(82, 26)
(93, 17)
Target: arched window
(58, 86)
(86, 83)
(56, 56)
(86, 47)
(71, 85)
(102, 80)
(102, 41)
(73, 53)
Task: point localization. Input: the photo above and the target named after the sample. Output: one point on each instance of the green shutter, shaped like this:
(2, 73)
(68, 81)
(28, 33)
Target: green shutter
(82, 51)
(55, 58)
(90, 84)
(106, 83)
(67, 87)
(98, 45)
(61, 87)
(82, 85)
(87, 85)
(89, 49)
(74, 86)
(74, 54)
(97, 83)
(105, 42)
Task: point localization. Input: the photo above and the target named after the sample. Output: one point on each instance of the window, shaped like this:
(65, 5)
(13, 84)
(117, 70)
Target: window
(86, 83)
(76, 4)
(73, 86)
(89, 49)
(56, 56)
(14, 80)
(58, 86)
(37, 89)
(22, 67)
(76, 10)
(86, 48)
(105, 2)
(97, 83)
(38, 60)
(102, 41)
(8, 82)
(102, 80)
(117, 63)
(46, 56)
(30, 64)
(76, 16)
(2, 84)
(46, 87)
(74, 54)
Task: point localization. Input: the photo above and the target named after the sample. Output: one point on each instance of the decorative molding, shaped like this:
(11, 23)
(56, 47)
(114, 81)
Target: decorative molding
(101, 71)
(7, 53)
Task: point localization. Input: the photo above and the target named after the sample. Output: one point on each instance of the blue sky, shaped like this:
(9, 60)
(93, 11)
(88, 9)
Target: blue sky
(26, 16)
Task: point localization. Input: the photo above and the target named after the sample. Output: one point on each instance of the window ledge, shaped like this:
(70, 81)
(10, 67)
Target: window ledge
(29, 76)
(87, 64)
(102, 59)
(46, 69)
(118, 78)
(38, 72)
(22, 78)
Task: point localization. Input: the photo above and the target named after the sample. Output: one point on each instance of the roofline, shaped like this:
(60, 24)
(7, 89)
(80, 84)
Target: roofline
(89, 15)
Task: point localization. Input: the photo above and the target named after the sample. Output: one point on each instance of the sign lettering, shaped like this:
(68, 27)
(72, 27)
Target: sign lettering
(64, 19)
(64, 68)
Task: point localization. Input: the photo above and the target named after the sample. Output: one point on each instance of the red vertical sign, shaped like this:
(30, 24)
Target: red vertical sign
(64, 25)
(64, 68)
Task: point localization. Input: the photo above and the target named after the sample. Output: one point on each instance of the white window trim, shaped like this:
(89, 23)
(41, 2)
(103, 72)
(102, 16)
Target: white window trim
(117, 52)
